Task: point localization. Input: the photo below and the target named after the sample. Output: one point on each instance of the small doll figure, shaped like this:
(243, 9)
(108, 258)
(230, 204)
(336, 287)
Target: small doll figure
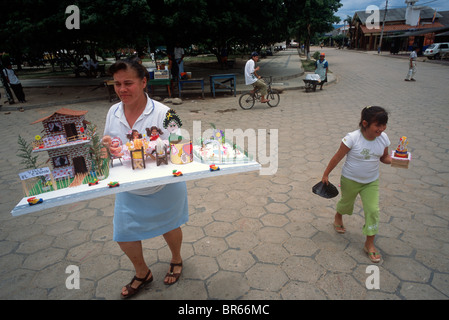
(154, 133)
(136, 147)
(114, 145)
(172, 123)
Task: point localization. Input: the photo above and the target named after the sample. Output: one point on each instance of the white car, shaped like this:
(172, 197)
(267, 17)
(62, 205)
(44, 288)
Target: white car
(437, 50)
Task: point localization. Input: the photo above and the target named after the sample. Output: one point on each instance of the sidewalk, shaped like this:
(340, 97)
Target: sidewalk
(251, 236)
(285, 67)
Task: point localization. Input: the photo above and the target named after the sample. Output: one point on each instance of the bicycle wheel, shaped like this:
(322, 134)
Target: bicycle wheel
(246, 101)
(274, 98)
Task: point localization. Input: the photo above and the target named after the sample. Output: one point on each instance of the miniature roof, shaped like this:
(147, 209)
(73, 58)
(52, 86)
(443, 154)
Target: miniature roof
(63, 111)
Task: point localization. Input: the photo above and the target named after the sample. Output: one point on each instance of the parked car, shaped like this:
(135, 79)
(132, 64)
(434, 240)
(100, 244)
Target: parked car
(436, 50)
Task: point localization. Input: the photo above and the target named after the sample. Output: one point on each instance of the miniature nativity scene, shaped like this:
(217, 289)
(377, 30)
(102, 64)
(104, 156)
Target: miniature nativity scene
(79, 159)
(78, 156)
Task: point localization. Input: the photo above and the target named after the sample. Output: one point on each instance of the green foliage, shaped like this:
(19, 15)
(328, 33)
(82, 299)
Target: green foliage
(25, 152)
(36, 26)
(96, 148)
(316, 55)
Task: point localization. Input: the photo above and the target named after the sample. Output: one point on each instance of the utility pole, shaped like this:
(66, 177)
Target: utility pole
(383, 25)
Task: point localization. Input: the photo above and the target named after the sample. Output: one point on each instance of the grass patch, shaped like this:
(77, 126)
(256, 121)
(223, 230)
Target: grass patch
(308, 65)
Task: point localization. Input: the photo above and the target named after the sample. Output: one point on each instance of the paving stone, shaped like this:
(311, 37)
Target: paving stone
(266, 277)
(254, 236)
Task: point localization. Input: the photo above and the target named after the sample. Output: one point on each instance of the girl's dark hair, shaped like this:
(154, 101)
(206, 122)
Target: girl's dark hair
(129, 64)
(373, 114)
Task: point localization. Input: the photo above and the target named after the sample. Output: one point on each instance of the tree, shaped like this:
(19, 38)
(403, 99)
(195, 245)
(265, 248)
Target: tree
(316, 16)
(34, 26)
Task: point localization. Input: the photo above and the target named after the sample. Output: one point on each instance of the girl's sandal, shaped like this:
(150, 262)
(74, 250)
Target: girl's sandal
(371, 255)
(133, 291)
(172, 275)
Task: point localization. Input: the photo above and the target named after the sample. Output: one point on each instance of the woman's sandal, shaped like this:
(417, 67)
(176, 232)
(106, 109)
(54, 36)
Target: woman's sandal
(170, 274)
(371, 255)
(133, 291)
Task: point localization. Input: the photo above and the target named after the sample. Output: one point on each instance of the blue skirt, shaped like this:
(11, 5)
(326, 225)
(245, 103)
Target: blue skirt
(139, 217)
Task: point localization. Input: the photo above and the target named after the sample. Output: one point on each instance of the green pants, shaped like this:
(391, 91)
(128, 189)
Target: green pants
(262, 86)
(369, 193)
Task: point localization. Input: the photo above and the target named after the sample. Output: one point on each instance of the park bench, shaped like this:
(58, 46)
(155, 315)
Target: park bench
(191, 84)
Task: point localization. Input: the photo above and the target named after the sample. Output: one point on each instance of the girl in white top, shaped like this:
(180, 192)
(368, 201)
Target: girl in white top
(364, 149)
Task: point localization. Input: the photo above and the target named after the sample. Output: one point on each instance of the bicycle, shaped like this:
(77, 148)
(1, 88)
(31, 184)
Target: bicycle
(248, 99)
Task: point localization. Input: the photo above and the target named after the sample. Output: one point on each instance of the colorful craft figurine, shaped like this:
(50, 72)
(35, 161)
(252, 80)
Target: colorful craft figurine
(92, 183)
(114, 145)
(401, 150)
(172, 123)
(213, 167)
(113, 184)
(33, 201)
(115, 149)
(181, 152)
(136, 148)
(157, 148)
(177, 173)
(154, 133)
(400, 157)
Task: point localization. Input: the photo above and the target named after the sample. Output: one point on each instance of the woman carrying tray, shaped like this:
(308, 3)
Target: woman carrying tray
(150, 212)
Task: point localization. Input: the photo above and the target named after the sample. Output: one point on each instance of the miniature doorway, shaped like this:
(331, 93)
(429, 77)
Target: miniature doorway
(79, 164)
(70, 131)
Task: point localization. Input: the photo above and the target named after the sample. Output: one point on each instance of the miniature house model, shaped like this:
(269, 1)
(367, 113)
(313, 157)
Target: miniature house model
(65, 142)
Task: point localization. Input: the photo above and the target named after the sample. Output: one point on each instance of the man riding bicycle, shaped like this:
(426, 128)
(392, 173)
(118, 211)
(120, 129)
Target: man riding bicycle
(251, 77)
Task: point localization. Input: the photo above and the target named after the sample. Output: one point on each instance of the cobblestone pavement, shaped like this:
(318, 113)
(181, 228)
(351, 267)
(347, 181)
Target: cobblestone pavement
(254, 236)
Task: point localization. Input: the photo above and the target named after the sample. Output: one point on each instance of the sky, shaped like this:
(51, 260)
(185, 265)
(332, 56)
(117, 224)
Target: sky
(351, 6)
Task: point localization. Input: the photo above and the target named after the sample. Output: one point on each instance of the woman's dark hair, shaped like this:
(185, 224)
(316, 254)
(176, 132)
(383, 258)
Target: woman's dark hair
(132, 64)
(373, 114)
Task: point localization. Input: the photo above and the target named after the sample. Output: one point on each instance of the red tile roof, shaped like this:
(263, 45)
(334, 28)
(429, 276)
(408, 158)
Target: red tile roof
(64, 111)
(400, 27)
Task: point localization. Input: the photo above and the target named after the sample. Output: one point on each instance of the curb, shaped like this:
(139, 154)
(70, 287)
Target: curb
(50, 104)
(68, 102)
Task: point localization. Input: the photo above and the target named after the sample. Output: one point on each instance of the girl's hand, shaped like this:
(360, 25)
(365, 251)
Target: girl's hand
(386, 157)
(340, 154)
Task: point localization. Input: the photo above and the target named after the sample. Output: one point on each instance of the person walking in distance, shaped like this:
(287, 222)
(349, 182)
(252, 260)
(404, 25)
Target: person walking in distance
(412, 65)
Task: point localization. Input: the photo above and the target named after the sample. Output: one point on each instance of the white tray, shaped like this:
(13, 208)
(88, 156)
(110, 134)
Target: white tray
(129, 180)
